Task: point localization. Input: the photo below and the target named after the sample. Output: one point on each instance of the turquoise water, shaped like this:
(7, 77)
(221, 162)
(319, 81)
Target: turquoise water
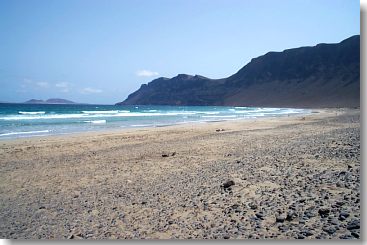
(27, 120)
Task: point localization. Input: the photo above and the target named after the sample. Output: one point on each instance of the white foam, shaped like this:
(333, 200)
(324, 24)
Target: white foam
(96, 121)
(26, 132)
(211, 112)
(31, 112)
(125, 113)
(37, 117)
(229, 116)
(141, 125)
(102, 112)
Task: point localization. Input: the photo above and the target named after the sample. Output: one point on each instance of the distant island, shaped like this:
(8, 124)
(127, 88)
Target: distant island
(326, 75)
(50, 101)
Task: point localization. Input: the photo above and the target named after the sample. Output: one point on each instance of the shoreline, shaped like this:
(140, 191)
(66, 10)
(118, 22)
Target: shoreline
(180, 124)
(101, 125)
(274, 178)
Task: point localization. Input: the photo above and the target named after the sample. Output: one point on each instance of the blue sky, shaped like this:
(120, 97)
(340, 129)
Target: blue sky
(98, 51)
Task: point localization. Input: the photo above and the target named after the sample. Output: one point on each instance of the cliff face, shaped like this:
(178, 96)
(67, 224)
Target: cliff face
(326, 75)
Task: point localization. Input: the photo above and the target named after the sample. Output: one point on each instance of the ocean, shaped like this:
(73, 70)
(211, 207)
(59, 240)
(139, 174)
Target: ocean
(29, 120)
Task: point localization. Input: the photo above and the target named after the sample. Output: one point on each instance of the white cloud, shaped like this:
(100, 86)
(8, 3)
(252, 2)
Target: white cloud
(91, 91)
(146, 73)
(30, 84)
(63, 86)
(42, 84)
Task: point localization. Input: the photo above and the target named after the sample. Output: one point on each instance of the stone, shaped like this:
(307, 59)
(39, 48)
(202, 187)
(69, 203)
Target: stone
(329, 229)
(253, 206)
(324, 212)
(307, 232)
(343, 215)
(346, 237)
(280, 218)
(260, 215)
(290, 215)
(228, 184)
(353, 224)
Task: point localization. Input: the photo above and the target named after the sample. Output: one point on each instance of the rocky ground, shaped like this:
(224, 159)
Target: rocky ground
(289, 178)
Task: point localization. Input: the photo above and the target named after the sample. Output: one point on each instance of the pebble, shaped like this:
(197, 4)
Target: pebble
(324, 212)
(353, 224)
(280, 193)
(228, 184)
(280, 218)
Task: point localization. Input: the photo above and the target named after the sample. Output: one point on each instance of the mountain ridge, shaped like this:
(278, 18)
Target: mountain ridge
(325, 75)
(49, 101)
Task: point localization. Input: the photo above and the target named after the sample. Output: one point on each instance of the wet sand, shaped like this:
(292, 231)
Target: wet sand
(279, 178)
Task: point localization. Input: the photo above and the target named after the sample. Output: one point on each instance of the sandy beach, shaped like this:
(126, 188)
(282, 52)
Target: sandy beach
(279, 178)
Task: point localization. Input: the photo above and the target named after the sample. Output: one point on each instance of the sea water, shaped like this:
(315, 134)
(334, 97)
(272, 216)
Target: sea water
(27, 120)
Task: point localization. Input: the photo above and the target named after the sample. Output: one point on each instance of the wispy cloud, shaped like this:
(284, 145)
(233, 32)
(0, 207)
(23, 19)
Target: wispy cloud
(63, 86)
(24, 85)
(27, 81)
(146, 73)
(42, 84)
(91, 91)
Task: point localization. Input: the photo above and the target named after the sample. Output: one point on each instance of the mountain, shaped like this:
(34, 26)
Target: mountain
(50, 101)
(326, 75)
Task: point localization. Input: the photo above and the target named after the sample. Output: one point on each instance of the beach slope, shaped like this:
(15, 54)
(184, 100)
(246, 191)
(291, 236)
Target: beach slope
(279, 178)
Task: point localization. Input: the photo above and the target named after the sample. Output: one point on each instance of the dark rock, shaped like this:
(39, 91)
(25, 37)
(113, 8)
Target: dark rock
(164, 155)
(291, 215)
(353, 224)
(307, 232)
(355, 234)
(329, 229)
(228, 184)
(226, 237)
(235, 206)
(259, 215)
(346, 237)
(280, 218)
(309, 214)
(173, 154)
(343, 215)
(253, 206)
(283, 228)
(324, 212)
(339, 203)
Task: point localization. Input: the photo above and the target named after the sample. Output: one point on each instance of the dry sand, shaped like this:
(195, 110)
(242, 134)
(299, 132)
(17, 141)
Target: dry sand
(291, 177)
